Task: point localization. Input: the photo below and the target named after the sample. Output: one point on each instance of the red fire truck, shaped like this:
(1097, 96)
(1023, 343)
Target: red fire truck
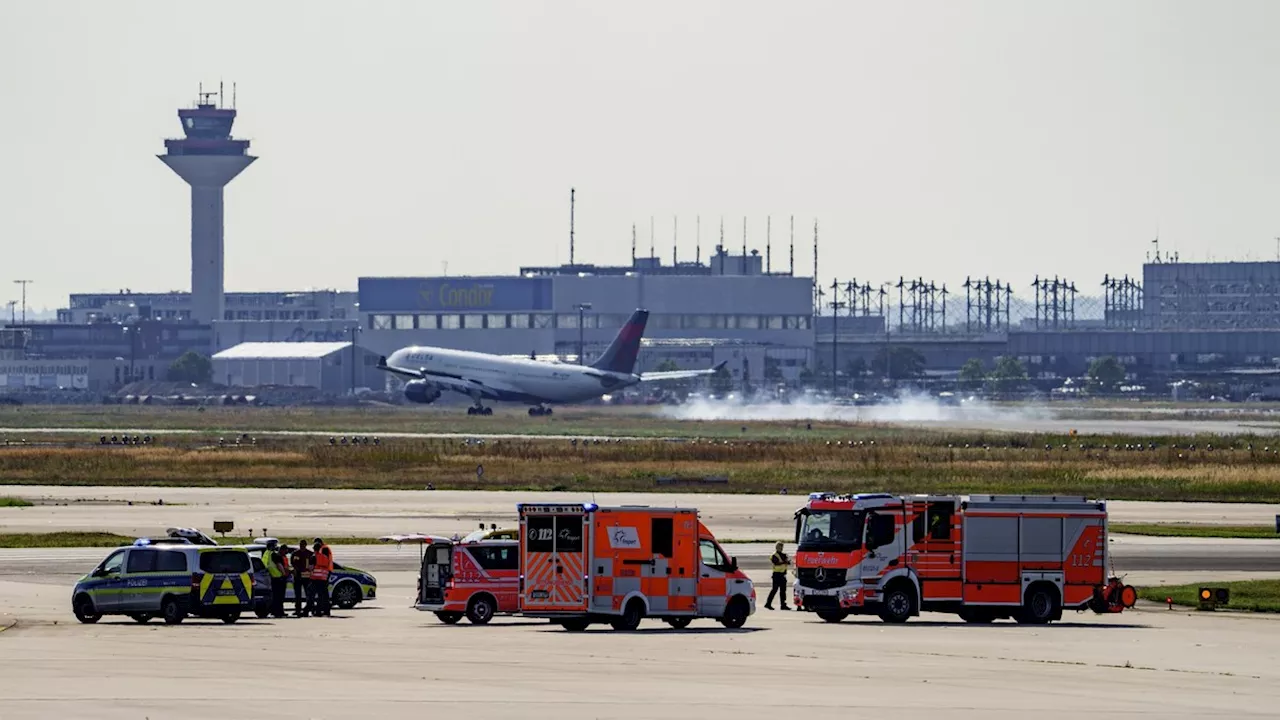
(984, 557)
(477, 577)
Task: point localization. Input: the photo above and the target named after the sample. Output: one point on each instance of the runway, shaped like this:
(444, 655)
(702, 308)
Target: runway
(389, 661)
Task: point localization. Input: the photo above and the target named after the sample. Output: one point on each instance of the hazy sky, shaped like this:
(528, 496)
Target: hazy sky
(930, 138)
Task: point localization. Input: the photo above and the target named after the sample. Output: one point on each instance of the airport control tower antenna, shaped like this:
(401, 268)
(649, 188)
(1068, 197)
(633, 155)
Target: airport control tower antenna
(633, 244)
(651, 255)
(816, 290)
(675, 245)
(207, 159)
(571, 226)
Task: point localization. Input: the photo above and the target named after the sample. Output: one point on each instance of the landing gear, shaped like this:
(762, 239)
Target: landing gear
(539, 411)
(478, 410)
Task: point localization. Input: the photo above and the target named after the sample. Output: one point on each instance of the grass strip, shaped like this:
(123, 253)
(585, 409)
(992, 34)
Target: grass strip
(14, 502)
(1247, 595)
(1195, 531)
(105, 539)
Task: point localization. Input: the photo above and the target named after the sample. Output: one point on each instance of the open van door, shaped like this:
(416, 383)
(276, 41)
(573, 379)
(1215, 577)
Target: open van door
(437, 570)
(553, 558)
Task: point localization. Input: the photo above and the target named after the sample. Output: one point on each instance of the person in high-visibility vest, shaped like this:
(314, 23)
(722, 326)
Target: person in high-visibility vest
(320, 575)
(276, 570)
(301, 562)
(780, 563)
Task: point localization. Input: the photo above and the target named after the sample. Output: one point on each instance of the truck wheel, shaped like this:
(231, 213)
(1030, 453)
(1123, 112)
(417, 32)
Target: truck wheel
(140, 618)
(84, 610)
(449, 618)
(833, 616)
(480, 610)
(735, 616)
(575, 625)
(172, 611)
(679, 623)
(898, 604)
(230, 617)
(347, 595)
(1039, 606)
(632, 614)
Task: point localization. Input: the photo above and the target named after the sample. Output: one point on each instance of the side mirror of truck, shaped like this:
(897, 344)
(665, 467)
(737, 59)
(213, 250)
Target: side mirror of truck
(733, 564)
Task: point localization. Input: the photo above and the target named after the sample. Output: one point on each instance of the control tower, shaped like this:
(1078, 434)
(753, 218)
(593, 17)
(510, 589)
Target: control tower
(207, 158)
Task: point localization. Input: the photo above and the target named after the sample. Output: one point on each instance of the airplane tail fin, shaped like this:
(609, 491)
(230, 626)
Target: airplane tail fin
(620, 357)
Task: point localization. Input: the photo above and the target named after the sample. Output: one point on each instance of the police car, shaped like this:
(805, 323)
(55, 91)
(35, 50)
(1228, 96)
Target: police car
(167, 578)
(348, 586)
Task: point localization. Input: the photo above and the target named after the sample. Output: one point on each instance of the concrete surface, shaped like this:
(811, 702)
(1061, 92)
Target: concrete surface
(389, 661)
(378, 512)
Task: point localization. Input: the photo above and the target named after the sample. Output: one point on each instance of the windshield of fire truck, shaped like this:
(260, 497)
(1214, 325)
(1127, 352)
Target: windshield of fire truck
(831, 528)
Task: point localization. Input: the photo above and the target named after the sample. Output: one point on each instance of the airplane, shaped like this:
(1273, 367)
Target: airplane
(481, 376)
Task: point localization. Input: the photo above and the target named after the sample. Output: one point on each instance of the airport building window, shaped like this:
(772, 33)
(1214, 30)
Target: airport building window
(543, 321)
(428, 322)
(379, 322)
(404, 322)
(450, 322)
(496, 321)
(567, 320)
(749, 322)
(472, 321)
(699, 322)
(590, 321)
(520, 321)
(665, 322)
(611, 321)
(775, 322)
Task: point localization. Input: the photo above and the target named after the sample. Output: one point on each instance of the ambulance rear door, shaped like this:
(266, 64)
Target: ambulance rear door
(437, 568)
(554, 547)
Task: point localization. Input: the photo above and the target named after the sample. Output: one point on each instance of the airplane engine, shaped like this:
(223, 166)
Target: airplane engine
(421, 391)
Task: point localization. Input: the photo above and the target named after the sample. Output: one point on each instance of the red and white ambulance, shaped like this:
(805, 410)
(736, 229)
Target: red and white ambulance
(983, 557)
(583, 564)
(477, 577)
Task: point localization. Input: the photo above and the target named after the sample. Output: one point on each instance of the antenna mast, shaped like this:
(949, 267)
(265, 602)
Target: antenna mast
(768, 245)
(571, 191)
(651, 255)
(675, 245)
(633, 244)
(743, 264)
(793, 245)
(697, 248)
(816, 290)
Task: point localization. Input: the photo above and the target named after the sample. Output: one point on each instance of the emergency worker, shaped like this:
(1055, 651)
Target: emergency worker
(780, 563)
(320, 570)
(274, 562)
(301, 562)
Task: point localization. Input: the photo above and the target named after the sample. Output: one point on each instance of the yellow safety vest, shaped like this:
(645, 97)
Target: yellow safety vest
(271, 558)
(780, 563)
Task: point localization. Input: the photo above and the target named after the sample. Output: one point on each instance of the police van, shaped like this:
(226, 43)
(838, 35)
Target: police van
(167, 579)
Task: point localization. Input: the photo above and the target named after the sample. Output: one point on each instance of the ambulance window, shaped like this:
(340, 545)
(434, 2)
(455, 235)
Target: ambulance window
(141, 561)
(663, 531)
(541, 533)
(568, 533)
(711, 555)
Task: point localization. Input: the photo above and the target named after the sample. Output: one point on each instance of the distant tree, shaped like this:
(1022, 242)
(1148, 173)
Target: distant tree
(773, 370)
(1106, 374)
(806, 375)
(1008, 375)
(667, 365)
(972, 373)
(192, 367)
(898, 362)
(856, 369)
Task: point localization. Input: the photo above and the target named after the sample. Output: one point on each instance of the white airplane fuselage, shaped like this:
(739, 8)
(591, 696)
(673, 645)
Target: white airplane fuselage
(506, 379)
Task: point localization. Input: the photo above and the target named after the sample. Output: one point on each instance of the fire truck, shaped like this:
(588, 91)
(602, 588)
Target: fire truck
(476, 577)
(983, 557)
(583, 564)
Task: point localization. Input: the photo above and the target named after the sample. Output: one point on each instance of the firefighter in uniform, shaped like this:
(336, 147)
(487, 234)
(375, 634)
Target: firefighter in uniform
(780, 563)
(275, 564)
(320, 576)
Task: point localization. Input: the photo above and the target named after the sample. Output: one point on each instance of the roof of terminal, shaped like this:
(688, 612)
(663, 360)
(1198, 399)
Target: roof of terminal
(281, 350)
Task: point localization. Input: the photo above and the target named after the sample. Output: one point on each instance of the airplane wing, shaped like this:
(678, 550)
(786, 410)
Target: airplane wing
(449, 381)
(680, 374)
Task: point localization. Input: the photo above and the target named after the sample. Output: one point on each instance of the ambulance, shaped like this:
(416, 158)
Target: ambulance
(983, 557)
(476, 578)
(582, 564)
